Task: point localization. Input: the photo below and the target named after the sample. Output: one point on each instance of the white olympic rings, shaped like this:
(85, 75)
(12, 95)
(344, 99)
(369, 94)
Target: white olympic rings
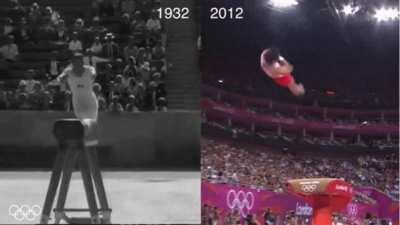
(309, 188)
(244, 201)
(24, 212)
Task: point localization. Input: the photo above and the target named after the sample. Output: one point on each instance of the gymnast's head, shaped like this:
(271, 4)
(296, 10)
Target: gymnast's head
(271, 55)
(77, 60)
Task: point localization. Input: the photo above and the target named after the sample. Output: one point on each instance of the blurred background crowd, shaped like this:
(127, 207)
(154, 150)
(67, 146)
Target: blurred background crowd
(211, 215)
(259, 167)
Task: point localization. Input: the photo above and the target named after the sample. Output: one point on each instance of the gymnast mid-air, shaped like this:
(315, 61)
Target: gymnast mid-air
(280, 71)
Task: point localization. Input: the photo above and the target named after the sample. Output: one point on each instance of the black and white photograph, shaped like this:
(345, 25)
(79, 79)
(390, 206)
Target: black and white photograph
(99, 112)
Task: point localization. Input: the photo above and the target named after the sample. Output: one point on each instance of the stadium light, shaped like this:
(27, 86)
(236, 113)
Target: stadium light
(350, 10)
(386, 14)
(283, 3)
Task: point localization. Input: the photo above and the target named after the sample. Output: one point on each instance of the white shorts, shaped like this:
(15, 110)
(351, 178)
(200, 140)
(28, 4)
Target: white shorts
(85, 106)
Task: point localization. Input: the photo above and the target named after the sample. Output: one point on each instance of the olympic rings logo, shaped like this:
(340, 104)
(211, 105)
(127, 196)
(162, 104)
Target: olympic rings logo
(309, 188)
(24, 212)
(244, 201)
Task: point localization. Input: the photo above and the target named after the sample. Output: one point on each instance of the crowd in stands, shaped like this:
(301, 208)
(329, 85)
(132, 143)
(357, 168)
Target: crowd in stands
(296, 137)
(315, 112)
(259, 168)
(211, 215)
(317, 96)
(123, 39)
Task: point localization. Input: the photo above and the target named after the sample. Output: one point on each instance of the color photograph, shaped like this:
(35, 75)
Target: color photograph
(300, 112)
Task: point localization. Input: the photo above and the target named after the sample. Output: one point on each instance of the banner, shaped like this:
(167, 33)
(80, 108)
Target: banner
(238, 99)
(242, 116)
(250, 201)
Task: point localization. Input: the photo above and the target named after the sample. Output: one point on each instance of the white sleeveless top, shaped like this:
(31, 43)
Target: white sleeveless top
(80, 84)
(83, 98)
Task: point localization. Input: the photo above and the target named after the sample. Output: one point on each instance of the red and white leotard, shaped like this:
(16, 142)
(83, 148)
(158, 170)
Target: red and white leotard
(281, 74)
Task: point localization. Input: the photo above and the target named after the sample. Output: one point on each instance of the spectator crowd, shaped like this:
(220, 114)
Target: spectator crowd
(241, 164)
(123, 39)
(212, 215)
(262, 168)
(295, 137)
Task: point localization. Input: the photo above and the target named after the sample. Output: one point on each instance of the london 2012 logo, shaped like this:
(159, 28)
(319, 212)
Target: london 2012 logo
(240, 200)
(24, 212)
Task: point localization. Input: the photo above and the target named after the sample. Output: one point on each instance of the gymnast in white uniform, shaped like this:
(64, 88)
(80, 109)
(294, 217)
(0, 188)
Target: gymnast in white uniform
(80, 79)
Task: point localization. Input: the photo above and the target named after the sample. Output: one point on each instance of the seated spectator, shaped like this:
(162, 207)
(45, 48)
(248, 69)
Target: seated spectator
(97, 46)
(96, 6)
(100, 97)
(161, 92)
(54, 67)
(153, 24)
(47, 100)
(75, 45)
(3, 63)
(59, 98)
(130, 69)
(126, 79)
(150, 98)
(62, 31)
(97, 90)
(47, 30)
(145, 6)
(11, 100)
(116, 5)
(110, 48)
(102, 105)
(162, 104)
(106, 8)
(22, 32)
(138, 24)
(131, 106)
(117, 88)
(142, 56)
(17, 10)
(145, 71)
(36, 96)
(3, 97)
(79, 26)
(156, 77)
(9, 51)
(118, 66)
(158, 52)
(128, 6)
(115, 106)
(105, 78)
(51, 15)
(97, 29)
(23, 102)
(133, 88)
(34, 14)
(29, 82)
(7, 28)
(131, 50)
(125, 25)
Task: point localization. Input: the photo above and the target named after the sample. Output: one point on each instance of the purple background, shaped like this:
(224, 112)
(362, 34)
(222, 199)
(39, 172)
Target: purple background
(281, 203)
